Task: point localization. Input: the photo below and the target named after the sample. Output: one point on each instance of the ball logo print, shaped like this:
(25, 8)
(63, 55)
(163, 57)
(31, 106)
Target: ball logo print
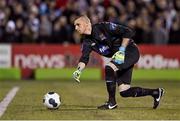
(52, 100)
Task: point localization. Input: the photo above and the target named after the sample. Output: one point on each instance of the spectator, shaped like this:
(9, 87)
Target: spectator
(64, 30)
(19, 30)
(27, 36)
(45, 29)
(2, 25)
(159, 33)
(174, 37)
(34, 24)
(177, 5)
(51, 21)
(9, 36)
(61, 31)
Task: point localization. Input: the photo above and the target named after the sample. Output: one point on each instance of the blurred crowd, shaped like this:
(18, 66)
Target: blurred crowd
(51, 21)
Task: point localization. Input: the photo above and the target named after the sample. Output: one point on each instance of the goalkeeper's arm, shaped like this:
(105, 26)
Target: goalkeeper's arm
(77, 73)
(125, 42)
(81, 66)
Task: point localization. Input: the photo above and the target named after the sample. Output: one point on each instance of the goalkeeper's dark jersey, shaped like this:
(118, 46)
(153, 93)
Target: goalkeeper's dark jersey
(105, 39)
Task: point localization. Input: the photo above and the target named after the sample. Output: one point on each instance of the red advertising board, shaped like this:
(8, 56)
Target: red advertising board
(31, 56)
(159, 57)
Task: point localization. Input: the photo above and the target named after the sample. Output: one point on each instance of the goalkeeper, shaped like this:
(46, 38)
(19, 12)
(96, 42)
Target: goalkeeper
(113, 41)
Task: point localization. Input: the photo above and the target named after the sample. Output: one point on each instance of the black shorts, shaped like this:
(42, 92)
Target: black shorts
(124, 74)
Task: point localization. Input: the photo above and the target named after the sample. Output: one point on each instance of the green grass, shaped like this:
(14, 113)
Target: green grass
(66, 73)
(79, 101)
(156, 74)
(3, 91)
(95, 74)
(10, 73)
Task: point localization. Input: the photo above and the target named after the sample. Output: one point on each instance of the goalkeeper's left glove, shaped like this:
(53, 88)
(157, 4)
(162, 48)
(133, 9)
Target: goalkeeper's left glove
(119, 56)
(76, 75)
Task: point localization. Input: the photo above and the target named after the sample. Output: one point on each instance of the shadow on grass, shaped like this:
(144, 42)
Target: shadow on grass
(135, 108)
(65, 107)
(78, 107)
(92, 107)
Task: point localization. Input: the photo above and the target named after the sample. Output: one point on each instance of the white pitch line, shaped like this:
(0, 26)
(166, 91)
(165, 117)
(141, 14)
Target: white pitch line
(5, 102)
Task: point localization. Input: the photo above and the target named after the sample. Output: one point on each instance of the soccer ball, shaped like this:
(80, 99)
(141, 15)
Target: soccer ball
(52, 100)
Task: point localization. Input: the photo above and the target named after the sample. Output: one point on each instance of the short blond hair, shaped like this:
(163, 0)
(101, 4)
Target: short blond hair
(84, 18)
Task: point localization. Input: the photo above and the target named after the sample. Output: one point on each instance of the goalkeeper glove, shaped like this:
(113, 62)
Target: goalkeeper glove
(119, 56)
(76, 75)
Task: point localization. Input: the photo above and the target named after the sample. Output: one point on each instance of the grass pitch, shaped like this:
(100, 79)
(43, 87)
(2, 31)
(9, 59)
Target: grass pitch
(79, 101)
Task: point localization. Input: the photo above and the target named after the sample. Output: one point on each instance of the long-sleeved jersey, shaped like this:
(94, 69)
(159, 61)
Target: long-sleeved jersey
(105, 39)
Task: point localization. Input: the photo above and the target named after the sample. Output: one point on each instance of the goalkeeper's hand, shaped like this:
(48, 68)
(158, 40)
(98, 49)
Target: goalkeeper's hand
(76, 75)
(119, 56)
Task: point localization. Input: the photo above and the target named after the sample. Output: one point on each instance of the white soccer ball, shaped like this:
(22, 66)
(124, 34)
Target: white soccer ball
(52, 100)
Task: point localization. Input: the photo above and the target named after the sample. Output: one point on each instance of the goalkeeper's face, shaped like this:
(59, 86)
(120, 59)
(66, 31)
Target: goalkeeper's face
(80, 26)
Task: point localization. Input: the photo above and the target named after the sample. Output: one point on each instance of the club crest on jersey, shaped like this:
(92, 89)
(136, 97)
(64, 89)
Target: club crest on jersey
(112, 26)
(102, 37)
(104, 49)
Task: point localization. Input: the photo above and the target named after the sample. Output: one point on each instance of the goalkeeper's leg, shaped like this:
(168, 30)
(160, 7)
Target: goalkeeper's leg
(111, 87)
(127, 91)
(124, 80)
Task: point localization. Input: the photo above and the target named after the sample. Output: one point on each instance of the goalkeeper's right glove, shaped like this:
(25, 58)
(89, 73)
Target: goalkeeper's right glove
(76, 75)
(119, 56)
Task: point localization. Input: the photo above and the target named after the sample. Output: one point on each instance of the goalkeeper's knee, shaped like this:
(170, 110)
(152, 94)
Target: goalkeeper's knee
(126, 93)
(109, 73)
(132, 92)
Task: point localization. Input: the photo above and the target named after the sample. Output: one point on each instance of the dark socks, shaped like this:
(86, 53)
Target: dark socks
(139, 92)
(111, 89)
(110, 83)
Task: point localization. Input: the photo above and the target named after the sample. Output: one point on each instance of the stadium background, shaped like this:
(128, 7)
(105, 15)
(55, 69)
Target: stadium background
(38, 41)
(45, 22)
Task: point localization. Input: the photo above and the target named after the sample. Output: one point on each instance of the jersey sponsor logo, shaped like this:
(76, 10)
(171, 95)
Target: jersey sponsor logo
(93, 44)
(104, 49)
